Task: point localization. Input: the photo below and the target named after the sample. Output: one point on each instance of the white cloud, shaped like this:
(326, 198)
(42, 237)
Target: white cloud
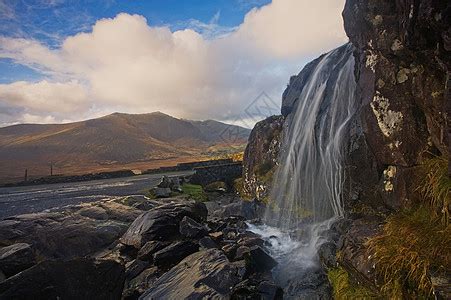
(29, 118)
(124, 64)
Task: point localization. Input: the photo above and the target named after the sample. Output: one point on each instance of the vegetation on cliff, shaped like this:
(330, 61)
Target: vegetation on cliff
(415, 244)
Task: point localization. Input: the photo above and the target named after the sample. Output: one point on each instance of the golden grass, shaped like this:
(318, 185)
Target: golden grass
(435, 186)
(411, 244)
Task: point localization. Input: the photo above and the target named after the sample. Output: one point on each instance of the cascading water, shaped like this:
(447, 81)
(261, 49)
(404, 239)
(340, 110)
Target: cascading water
(308, 185)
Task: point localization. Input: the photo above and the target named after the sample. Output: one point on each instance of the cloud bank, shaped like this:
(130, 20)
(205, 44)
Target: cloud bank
(125, 64)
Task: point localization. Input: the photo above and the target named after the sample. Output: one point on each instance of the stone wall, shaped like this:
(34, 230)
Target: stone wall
(226, 173)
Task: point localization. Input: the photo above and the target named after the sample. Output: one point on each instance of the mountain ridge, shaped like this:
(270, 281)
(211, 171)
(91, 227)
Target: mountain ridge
(115, 139)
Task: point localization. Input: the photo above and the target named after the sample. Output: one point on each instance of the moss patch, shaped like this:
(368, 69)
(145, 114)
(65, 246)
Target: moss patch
(195, 192)
(344, 289)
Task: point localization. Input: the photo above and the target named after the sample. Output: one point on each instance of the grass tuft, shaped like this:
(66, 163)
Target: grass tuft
(435, 186)
(411, 244)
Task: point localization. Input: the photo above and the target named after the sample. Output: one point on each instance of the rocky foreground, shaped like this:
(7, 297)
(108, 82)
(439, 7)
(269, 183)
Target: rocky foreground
(137, 248)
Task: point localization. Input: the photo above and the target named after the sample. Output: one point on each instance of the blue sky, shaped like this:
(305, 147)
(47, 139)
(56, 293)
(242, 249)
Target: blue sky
(50, 21)
(63, 61)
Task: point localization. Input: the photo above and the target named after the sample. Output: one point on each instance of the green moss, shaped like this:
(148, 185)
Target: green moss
(344, 289)
(195, 192)
(411, 245)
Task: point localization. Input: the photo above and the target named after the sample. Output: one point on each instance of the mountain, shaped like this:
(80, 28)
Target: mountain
(110, 142)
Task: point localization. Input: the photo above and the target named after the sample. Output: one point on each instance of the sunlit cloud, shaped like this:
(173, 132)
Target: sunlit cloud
(204, 71)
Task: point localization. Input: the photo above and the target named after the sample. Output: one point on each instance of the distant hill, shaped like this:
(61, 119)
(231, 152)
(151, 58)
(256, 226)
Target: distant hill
(109, 142)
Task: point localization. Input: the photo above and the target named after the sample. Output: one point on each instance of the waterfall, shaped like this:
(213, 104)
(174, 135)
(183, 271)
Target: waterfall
(307, 189)
(309, 182)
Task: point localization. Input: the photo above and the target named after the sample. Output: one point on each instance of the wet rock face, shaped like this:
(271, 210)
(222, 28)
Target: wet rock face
(261, 156)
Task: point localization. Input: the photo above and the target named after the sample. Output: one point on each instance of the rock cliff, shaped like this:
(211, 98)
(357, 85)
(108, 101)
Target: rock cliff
(402, 71)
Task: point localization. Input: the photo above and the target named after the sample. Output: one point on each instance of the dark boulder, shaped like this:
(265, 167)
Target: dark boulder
(74, 279)
(140, 283)
(207, 243)
(162, 222)
(174, 253)
(311, 284)
(258, 260)
(147, 251)
(203, 275)
(134, 268)
(162, 192)
(16, 258)
(192, 229)
(257, 288)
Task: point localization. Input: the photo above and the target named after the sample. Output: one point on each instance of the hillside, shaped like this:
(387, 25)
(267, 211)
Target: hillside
(110, 142)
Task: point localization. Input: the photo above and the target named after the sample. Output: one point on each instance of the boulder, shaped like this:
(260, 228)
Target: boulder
(257, 288)
(162, 192)
(165, 182)
(162, 222)
(74, 279)
(327, 255)
(311, 284)
(134, 268)
(203, 275)
(174, 253)
(147, 251)
(192, 229)
(16, 258)
(207, 243)
(140, 284)
(258, 260)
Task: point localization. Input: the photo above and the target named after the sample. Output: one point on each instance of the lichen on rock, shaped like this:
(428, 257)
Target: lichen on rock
(388, 120)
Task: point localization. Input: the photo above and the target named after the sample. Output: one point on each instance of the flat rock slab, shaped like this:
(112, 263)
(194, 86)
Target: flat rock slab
(75, 232)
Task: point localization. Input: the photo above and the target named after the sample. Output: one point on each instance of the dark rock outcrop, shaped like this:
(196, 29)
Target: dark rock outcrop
(71, 233)
(162, 222)
(74, 279)
(16, 258)
(192, 229)
(261, 157)
(210, 275)
(174, 253)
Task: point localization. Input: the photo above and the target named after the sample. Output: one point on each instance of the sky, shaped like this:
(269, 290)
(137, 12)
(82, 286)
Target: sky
(229, 60)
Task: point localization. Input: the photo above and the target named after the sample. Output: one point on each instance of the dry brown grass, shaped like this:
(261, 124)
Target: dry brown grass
(435, 186)
(412, 243)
